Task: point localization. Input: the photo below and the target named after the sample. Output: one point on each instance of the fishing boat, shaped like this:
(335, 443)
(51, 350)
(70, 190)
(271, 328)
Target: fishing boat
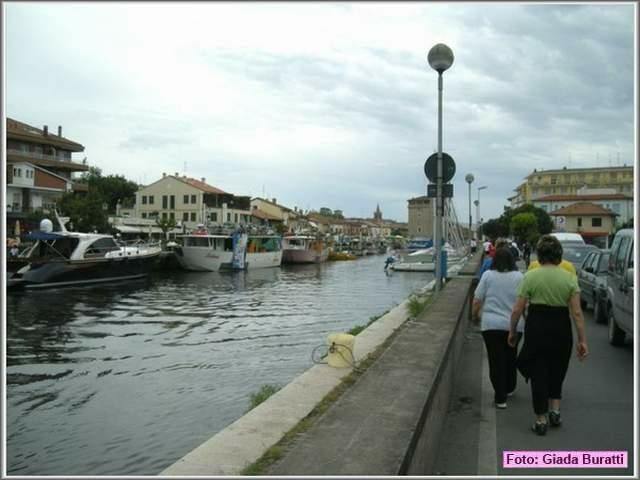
(303, 249)
(212, 252)
(63, 258)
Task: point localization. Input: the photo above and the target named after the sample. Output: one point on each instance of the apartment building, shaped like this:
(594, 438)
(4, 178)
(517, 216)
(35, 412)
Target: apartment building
(190, 202)
(40, 168)
(566, 181)
(270, 209)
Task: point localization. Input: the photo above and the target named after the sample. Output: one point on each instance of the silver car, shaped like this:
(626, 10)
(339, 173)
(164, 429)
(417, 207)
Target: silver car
(592, 278)
(576, 253)
(620, 287)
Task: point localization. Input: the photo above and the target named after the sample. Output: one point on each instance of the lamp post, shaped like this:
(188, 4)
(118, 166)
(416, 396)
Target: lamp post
(440, 58)
(469, 179)
(477, 202)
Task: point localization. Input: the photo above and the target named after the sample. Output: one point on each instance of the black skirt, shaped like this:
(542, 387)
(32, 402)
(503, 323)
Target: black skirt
(547, 331)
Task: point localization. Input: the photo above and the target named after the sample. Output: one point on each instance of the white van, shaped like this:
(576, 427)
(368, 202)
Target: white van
(565, 237)
(620, 287)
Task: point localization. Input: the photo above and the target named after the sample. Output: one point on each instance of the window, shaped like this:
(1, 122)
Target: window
(236, 217)
(172, 216)
(621, 255)
(228, 217)
(100, 247)
(554, 180)
(193, 216)
(144, 215)
(150, 199)
(172, 202)
(144, 199)
(213, 217)
(185, 199)
(164, 215)
(579, 221)
(543, 207)
(193, 199)
(185, 216)
(596, 222)
(165, 203)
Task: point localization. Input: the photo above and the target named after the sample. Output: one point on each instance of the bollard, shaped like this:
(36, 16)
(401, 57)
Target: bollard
(341, 350)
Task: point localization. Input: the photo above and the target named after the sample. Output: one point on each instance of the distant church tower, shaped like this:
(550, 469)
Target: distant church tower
(377, 215)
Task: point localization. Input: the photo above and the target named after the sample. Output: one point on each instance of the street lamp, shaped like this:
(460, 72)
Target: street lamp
(469, 179)
(440, 58)
(477, 202)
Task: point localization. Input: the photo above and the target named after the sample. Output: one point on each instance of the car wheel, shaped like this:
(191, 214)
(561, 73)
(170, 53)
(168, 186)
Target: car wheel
(616, 334)
(598, 313)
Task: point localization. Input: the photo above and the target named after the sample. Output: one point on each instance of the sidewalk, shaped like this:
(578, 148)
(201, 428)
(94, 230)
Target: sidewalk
(597, 409)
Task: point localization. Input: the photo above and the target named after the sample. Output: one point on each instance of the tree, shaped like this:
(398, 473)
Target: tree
(86, 212)
(524, 227)
(545, 224)
(113, 188)
(165, 225)
(494, 228)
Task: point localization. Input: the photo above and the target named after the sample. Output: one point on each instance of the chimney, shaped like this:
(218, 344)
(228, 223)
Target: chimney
(203, 180)
(46, 130)
(274, 200)
(176, 175)
(59, 130)
(164, 174)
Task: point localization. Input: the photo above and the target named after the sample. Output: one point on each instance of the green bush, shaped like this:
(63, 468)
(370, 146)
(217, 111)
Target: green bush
(417, 304)
(265, 392)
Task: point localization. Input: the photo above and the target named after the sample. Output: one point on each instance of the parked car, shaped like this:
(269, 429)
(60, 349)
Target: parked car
(576, 253)
(620, 287)
(592, 278)
(567, 237)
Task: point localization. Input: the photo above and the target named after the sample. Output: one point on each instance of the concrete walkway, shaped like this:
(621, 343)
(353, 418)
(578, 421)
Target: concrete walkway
(597, 410)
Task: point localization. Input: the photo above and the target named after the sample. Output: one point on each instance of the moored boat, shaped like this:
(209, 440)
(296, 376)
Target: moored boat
(203, 251)
(303, 249)
(63, 258)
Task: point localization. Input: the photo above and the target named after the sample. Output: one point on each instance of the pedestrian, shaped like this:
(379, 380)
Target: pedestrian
(553, 298)
(473, 245)
(526, 253)
(488, 259)
(564, 264)
(494, 297)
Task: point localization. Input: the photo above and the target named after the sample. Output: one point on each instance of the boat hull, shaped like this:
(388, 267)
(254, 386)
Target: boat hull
(414, 267)
(203, 259)
(304, 256)
(63, 273)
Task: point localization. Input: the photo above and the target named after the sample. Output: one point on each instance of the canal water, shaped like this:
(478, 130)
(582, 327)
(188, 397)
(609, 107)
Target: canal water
(125, 380)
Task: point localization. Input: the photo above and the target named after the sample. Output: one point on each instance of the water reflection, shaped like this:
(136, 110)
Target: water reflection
(98, 378)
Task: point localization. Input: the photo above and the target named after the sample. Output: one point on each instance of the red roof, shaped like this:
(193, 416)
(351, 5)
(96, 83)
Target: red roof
(582, 208)
(263, 215)
(578, 198)
(199, 184)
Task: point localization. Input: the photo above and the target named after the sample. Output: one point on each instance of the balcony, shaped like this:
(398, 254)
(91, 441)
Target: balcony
(44, 160)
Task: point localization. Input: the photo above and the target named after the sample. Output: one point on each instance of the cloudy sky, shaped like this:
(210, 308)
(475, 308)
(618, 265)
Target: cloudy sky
(327, 104)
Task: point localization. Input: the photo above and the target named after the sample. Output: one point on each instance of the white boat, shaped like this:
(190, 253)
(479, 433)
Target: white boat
(205, 252)
(418, 261)
(303, 249)
(63, 258)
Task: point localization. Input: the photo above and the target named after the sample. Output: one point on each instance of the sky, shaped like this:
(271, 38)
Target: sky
(328, 104)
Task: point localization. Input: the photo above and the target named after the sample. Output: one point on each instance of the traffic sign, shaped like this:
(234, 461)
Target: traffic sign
(447, 190)
(448, 167)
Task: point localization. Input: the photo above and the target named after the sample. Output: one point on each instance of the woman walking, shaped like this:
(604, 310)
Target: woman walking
(495, 295)
(553, 297)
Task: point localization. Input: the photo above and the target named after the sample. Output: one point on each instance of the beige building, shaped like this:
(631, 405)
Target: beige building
(593, 222)
(567, 181)
(261, 207)
(421, 213)
(618, 203)
(190, 202)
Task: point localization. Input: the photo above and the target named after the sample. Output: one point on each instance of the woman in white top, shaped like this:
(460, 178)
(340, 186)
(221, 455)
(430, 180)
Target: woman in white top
(495, 295)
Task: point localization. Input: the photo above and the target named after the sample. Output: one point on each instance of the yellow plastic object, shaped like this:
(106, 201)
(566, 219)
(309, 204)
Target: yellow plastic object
(341, 350)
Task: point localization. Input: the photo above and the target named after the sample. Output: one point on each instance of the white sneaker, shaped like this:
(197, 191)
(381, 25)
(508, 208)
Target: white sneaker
(501, 405)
